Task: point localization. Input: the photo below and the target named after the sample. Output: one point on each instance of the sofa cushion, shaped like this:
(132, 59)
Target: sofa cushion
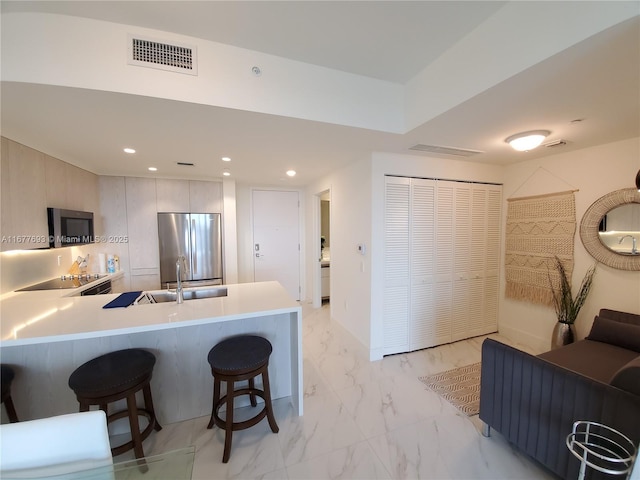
(596, 360)
(625, 335)
(618, 316)
(628, 377)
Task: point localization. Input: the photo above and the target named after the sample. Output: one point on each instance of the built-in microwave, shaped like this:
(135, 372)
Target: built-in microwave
(69, 227)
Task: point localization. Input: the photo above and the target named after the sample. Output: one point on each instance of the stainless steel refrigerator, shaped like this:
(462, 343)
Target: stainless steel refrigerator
(197, 236)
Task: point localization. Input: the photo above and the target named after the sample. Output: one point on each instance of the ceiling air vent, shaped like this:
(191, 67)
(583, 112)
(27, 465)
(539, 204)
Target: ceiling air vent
(437, 149)
(173, 57)
(555, 143)
(185, 164)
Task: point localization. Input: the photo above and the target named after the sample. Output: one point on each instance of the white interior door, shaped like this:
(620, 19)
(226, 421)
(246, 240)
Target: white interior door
(276, 242)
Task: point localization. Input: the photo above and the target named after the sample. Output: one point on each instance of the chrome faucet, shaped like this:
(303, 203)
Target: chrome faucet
(181, 262)
(634, 246)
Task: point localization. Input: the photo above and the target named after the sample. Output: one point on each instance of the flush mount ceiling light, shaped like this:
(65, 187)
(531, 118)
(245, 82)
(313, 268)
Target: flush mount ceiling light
(129, 150)
(526, 141)
(291, 173)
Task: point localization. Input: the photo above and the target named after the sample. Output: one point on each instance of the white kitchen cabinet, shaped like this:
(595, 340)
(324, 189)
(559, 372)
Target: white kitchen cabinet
(114, 229)
(172, 196)
(442, 241)
(70, 187)
(325, 281)
(142, 223)
(205, 197)
(24, 201)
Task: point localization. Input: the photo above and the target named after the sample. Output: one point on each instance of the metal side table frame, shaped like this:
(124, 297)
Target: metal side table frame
(601, 448)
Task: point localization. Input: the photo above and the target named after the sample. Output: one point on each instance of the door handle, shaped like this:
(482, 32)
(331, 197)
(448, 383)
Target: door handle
(194, 247)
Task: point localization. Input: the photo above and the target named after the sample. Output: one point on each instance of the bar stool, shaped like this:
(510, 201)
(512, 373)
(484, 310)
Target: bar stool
(235, 359)
(7, 375)
(115, 376)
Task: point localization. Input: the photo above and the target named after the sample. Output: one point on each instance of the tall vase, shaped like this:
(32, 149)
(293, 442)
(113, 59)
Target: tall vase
(563, 334)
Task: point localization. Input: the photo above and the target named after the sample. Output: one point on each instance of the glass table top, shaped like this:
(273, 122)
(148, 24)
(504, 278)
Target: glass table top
(173, 465)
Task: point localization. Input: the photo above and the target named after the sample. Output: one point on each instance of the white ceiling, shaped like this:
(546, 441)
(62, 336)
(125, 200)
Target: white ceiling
(596, 80)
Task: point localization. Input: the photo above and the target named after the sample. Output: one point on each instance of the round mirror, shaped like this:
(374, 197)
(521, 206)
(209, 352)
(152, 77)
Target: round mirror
(619, 229)
(610, 229)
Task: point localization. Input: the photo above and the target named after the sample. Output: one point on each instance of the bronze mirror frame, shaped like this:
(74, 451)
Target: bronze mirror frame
(589, 227)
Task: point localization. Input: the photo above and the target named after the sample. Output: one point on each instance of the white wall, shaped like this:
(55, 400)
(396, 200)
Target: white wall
(350, 225)
(99, 61)
(594, 172)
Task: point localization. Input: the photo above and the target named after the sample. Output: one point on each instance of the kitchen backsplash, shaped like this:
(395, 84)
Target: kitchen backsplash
(21, 268)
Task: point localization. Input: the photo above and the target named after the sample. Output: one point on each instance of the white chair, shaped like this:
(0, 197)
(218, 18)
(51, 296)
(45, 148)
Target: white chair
(61, 446)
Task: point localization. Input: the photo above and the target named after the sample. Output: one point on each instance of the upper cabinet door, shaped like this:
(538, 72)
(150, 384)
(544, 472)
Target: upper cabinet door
(142, 222)
(24, 200)
(172, 196)
(205, 197)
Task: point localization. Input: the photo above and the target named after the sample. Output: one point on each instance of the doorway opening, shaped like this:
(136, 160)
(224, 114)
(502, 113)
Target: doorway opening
(322, 294)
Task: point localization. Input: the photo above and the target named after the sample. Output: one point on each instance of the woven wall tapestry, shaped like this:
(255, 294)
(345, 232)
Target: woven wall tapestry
(538, 229)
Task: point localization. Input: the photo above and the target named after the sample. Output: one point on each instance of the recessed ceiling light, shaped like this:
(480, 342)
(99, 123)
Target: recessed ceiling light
(129, 150)
(226, 159)
(291, 173)
(226, 173)
(153, 169)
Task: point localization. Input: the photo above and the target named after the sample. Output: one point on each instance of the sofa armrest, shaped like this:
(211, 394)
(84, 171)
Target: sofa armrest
(533, 404)
(628, 377)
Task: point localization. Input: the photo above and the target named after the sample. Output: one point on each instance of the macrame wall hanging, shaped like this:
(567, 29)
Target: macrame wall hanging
(539, 228)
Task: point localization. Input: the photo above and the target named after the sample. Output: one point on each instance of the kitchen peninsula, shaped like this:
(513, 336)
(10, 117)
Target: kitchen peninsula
(47, 335)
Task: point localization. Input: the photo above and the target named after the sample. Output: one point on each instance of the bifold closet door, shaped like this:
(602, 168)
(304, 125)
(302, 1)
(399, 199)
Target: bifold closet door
(477, 215)
(442, 258)
(396, 265)
(422, 254)
(409, 314)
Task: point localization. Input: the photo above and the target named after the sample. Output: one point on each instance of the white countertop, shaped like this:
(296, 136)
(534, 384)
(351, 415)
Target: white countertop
(49, 316)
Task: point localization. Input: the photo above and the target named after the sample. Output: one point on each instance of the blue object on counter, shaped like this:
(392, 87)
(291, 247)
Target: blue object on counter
(124, 300)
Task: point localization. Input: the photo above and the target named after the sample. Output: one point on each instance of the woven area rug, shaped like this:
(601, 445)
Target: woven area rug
(460, 387)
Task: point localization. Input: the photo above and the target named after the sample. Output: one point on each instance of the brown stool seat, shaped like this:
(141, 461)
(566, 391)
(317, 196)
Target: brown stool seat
(6, 377)
(115, 376)
(235, 359)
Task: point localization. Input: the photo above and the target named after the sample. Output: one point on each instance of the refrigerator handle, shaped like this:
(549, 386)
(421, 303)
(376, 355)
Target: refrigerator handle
(194, 247)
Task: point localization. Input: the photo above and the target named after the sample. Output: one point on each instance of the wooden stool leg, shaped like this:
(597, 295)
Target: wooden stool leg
(216, 399)
(11, 409)
(84, 406)
(134, 425)
(252, 396)
(228, 433)
(267, 401)
(148, 405)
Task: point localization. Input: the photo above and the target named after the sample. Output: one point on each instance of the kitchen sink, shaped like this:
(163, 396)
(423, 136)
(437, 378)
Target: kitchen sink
(188, 294)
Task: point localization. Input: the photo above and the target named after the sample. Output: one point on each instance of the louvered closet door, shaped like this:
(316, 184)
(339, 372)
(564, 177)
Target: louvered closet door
(492, 255)
(443, 282)
(477, 256)
(461, 261)
(396, 265)
(422, 264)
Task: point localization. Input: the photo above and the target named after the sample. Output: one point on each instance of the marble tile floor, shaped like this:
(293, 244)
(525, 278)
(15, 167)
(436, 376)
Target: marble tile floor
(362, 420)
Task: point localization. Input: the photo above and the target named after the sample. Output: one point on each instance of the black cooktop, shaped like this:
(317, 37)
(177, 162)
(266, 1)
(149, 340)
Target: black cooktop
(66, 281)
